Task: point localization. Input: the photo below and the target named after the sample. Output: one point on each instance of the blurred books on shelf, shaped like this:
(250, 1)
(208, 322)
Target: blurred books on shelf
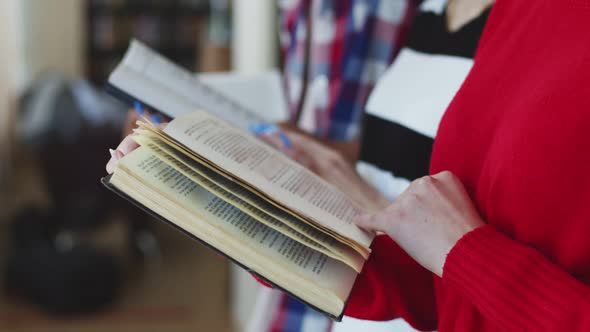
(175, 28)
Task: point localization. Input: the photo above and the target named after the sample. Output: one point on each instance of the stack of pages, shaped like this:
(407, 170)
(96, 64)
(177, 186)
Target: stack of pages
(251, 203)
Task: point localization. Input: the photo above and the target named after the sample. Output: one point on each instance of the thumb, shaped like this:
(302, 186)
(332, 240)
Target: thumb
(115, 156)
(368, 221)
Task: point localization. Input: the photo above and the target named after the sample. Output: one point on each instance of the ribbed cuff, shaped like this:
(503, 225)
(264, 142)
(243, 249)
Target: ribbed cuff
(511, 284)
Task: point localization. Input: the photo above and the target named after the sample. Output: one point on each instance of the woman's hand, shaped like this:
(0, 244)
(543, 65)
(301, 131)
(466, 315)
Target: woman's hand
(427, 219)
(330, 165)
(127, 144)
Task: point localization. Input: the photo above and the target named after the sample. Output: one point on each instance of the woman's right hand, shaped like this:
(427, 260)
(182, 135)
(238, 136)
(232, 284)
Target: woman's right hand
(127, 144)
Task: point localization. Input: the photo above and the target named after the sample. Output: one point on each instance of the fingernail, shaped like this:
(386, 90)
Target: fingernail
(112, 152)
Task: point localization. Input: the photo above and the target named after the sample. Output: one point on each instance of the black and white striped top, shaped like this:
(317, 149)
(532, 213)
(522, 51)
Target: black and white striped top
(405, 108)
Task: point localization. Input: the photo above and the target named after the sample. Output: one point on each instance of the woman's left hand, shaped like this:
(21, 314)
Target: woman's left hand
(427, 219)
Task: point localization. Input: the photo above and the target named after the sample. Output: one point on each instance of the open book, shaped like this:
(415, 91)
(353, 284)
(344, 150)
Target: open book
(147, 76)
(247, 200)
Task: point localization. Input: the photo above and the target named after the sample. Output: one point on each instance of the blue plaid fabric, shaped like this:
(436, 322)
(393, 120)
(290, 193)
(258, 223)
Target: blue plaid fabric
(353, 42)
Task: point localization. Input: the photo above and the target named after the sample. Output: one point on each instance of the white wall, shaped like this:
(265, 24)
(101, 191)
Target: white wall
(53, 36)
(254, 35)
(35, 36)
(11, 37)
(11, 76)
(39, 35)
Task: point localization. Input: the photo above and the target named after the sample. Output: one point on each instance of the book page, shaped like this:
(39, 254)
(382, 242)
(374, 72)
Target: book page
(271, 172)
(239, 228)
(148, 130)
(253, 205)
(154, 80)
(262, 92)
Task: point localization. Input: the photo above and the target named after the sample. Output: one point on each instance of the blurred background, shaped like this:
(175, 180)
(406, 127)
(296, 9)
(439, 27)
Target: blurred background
(72, 256)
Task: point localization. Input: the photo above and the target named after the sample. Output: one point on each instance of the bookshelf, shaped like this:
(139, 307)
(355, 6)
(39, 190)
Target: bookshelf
(175, 28)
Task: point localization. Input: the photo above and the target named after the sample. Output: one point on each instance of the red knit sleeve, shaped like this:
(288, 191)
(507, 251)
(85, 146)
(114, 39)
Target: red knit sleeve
(516, 286)
(393, 285)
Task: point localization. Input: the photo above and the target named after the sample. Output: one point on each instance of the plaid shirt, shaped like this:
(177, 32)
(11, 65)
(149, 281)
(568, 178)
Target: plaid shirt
(352, 43)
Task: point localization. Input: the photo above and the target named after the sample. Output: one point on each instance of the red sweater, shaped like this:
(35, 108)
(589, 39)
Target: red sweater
(514, 135)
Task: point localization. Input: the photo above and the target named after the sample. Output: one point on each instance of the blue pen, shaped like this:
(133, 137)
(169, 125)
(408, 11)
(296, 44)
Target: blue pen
(269, 129)
(286, 141)
(139, 109)
(155, 119)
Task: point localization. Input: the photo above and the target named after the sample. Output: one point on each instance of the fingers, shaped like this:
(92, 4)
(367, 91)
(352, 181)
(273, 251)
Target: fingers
(450, 184)
(115, 156)
(446, 177)
(125, 147)
(132, 117)
(374, 222)
(423, 183)
(390, 219)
